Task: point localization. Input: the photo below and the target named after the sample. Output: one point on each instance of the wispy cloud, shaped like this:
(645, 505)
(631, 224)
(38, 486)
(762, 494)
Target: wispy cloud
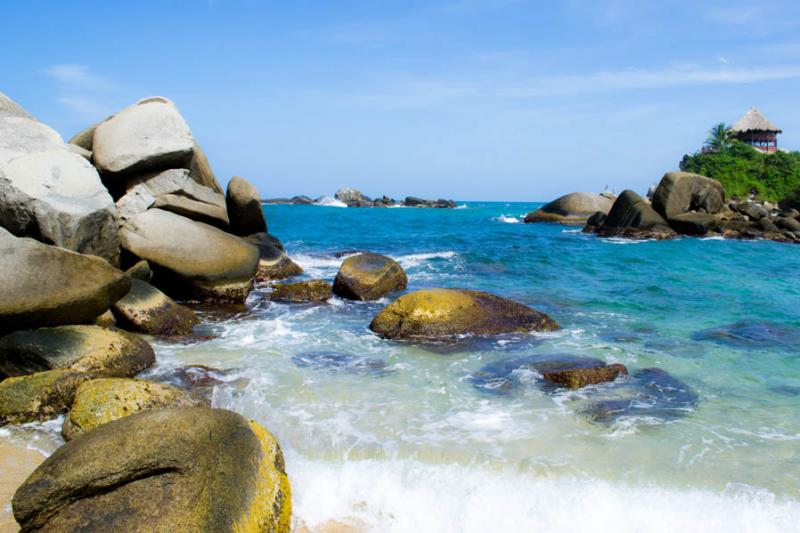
(80, 89)
(734, 15)
(79, 76)
(84, 105)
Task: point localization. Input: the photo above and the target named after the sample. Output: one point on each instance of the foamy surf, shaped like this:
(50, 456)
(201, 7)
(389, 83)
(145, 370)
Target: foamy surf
(412, 496)
(329, 201)
(508, 219)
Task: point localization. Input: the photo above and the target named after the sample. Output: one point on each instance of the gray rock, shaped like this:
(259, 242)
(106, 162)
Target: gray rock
(694, 223)
(353, 197)
(190, 259)
(52, 194)
(787, 223)
(632, 216)
(573, 208)
(200, 170)
(46, 286)
(148, 135)
(202, 212)
(244, 208)
(681, 192)
(752, 209)
(9, 108)
(83, 152)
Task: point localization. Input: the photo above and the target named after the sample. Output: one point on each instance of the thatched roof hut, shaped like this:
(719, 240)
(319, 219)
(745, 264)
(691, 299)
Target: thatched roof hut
(756, 130)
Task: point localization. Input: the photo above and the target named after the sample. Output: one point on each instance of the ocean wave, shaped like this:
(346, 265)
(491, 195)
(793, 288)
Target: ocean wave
(508, 219)
(409, 495)
(329, 201)
(413, 260)
(462, 206)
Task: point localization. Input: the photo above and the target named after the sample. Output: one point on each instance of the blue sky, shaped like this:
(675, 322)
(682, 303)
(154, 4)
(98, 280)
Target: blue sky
(471, 99)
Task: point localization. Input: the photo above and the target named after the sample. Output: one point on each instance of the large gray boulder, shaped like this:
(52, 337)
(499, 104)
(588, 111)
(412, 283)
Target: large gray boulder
(201, 172)
(244, 208)
(174, 190)
(632, 216)
(190, 259)
(682, 192)
(9, 108)
(148, 135)
(572, 209)
(47, 286)
(353, 197)
(51, 193)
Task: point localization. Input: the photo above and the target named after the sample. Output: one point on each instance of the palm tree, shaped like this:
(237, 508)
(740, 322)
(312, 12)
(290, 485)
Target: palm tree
(719, 138)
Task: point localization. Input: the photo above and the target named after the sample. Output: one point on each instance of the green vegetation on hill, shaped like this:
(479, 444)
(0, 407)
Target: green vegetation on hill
(743, 170)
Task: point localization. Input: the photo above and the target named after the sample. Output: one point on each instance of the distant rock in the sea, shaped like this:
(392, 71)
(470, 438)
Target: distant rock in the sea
(347, 197)
(573, 208)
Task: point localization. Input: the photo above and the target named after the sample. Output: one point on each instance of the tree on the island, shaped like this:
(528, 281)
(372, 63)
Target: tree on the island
(720, 138)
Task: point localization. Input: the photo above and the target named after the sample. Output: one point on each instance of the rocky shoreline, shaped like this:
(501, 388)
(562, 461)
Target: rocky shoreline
(683, 204)
(355, 198)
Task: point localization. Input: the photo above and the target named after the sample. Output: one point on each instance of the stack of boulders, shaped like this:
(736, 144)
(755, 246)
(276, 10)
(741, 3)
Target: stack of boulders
(695, 205)
(98, 237)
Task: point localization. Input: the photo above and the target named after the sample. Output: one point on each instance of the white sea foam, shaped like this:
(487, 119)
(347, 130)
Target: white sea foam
(413, 260)
(508, 219)
(462, 206)
(621, 240)
(409, 495)
(329, 201)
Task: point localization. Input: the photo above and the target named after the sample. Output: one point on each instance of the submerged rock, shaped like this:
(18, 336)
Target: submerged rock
(369, 276)
(752, 336)
(340, 362)
(191, 260)
(573, 208)
(100, 401)
(244, 207)
(315, 290)
(148, 310)
(94, 350)
(446, 312)
(46, 286)
(201, 380)
(575, 378)
(650, 392)
(38, 396)
(506, 375)
(191, 469)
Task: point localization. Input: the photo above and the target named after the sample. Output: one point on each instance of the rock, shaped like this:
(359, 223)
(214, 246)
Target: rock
(148, 310)
(302, 200)
(694, 223)
(435, 313)
(100, 401)
(106, 320)
(751, 335)
(341, 362)
(767, 225)
(148, 135)
(352, 197)
(369, 276)
(443, 203)
(576, 378)
(190, 469)
(200, 170)
(383, 201)
(201, 380)
(141, 270)
(315, 290)
(596, 220)
(572, 209)
(787, 223)
(244, 207)
(752, 209)
(85, 138)
(51, 194)
(9, 108)
(413, 201)
(190, 259)
(93, 350)
(273, 262)
(174, 190)
(681, 192)
(38, 396)
(75, 149)
(631, 216)
(46, 286)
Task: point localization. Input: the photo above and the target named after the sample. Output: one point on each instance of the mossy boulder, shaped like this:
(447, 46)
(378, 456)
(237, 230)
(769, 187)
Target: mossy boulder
(572, 209)
(100, 401)
(576, 377)
(369, 276)
(45, 285)
(435, 313)
(97, 351)
(315, 290)
(39, 396)
(190, 469)
(148, 310)
(191, 260)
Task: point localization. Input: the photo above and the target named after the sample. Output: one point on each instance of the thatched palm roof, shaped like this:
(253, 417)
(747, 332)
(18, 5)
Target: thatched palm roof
(753, 120)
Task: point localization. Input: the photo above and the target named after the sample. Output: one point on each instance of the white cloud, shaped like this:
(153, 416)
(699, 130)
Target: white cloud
(77, 76)
(84, 106)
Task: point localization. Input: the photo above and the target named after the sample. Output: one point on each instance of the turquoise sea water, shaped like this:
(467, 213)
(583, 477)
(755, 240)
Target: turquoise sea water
(402, 437)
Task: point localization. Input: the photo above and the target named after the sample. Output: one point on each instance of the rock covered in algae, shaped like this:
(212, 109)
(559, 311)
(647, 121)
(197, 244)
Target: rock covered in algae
(100, 401)
(187, 469)
(435, 313)
(39, 396)
(148, 310)
(315, 290)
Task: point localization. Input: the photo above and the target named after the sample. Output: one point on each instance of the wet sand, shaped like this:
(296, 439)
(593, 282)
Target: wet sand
(16, 464)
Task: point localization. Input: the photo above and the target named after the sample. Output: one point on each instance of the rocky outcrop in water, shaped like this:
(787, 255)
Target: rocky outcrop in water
(436, 313)
(192, 469)
(355, 198)
(573, 208)
(148, 310)
(315, 290)
(368, 276)
(630, 216)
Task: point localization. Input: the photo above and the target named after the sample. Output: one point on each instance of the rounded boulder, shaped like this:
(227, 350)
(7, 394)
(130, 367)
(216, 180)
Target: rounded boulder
(369, 276)
(244, 208)
(433, 313)
(573, 208)
(146, 309)
(38, 396)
